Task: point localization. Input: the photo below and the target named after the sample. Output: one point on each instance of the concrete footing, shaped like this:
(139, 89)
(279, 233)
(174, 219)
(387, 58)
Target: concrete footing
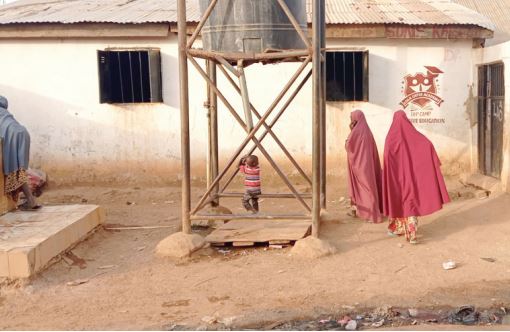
(179, 245)
(312, 247)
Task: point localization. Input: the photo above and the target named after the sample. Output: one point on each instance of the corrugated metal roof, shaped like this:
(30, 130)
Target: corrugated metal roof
(498, 11)
(410, 12)
(95, 11)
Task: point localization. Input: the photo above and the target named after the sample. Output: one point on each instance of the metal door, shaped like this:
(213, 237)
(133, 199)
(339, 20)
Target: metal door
(491, 101)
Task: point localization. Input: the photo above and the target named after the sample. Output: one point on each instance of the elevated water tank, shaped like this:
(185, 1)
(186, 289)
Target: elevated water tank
(252, 26)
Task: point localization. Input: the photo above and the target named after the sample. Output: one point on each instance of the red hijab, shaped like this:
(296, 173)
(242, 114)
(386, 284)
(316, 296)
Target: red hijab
(412, 181)
(364, 170)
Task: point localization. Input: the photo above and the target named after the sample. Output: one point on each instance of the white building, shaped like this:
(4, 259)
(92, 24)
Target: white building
(49, 72)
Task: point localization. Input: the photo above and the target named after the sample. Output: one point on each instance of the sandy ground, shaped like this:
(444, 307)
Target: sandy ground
(254, 287)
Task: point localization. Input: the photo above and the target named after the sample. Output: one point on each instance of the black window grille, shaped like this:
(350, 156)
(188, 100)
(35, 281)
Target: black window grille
(129, 76)
(346, 76)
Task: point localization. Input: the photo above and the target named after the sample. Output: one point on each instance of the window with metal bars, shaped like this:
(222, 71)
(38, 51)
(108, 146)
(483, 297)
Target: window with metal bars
(129, 76)
(346, 76)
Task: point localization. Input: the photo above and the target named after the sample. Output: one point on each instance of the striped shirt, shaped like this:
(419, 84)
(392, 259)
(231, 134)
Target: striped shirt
(251, 177)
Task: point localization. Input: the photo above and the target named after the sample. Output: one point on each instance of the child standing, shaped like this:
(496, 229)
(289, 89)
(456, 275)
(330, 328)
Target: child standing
(249, 166)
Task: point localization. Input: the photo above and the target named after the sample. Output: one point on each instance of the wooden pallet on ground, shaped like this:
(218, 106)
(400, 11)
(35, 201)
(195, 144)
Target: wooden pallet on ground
(241, 233)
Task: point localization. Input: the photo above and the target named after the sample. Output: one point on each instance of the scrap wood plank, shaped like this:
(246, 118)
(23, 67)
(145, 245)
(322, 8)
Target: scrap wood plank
(243, 244)
(282, 242)
(260, 231)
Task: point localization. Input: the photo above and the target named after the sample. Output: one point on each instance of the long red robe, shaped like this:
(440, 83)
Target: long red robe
(413, 184)
(364, 170)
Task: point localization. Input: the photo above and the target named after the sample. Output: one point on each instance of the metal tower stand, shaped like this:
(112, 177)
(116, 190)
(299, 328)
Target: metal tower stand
(232, 65)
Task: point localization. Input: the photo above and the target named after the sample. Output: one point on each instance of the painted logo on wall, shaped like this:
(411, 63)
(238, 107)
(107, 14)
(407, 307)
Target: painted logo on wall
(421, 89)
(421, 96)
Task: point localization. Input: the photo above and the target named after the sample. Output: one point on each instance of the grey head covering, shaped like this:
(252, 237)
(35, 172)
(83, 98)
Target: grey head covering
(3, 102)
(16, 141)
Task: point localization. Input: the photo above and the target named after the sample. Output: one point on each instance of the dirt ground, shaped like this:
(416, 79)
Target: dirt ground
(128, 287)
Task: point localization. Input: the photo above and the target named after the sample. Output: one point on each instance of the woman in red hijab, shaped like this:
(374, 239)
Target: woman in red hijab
(364, 169)
(413, 185)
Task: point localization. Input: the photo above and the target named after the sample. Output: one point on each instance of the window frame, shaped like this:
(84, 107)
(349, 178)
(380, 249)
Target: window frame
(149, 78)
(365, 74)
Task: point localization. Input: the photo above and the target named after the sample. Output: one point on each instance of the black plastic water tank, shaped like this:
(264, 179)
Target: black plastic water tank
(252, 26)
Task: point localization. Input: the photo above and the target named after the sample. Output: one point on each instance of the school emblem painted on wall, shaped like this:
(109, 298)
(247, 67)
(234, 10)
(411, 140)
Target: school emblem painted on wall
(422, 89)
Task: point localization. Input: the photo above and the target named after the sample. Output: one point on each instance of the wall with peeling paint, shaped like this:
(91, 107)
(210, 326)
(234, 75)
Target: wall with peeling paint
(52, 87)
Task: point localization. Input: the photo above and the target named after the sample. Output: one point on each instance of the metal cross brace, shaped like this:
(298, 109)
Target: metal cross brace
(251, 133)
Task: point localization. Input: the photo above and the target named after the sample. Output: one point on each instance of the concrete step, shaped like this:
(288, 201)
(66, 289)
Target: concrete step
(30, 240)
(483, 182)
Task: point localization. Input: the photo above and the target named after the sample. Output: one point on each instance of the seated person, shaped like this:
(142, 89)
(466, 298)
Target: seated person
(16, 151)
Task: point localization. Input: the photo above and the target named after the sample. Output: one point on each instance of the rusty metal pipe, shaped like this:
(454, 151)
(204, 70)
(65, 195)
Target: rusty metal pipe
(227, 65)
(213, 130)
(184, 106)
(234, 57)
(323, 109)
(316, 117)
(265, 195)
(248, 217)
(245, 96)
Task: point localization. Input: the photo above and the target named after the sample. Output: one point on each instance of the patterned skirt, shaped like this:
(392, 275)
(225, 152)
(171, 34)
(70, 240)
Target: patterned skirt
(14, 181)
(404, 226)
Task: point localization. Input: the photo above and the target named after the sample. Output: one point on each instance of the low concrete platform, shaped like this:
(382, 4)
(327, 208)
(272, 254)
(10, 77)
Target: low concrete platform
(30, 240)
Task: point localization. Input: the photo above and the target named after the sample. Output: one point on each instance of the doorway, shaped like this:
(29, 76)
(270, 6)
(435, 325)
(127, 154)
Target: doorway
(491, 110)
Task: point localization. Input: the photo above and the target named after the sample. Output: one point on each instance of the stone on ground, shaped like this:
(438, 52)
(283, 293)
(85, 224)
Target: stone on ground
(312, 247)
(351, 326)
(180, 245)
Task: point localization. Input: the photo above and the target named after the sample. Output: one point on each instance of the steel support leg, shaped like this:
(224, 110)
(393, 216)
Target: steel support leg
(316, 118)
(212, 104)
(323, 106)
(184, 105)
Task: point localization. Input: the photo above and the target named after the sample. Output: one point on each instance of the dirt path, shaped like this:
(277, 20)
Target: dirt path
(129, 288)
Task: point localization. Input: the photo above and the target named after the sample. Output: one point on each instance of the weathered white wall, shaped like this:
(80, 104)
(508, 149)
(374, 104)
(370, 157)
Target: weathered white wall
(497, 53)
(52, 87)
(390, 61)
